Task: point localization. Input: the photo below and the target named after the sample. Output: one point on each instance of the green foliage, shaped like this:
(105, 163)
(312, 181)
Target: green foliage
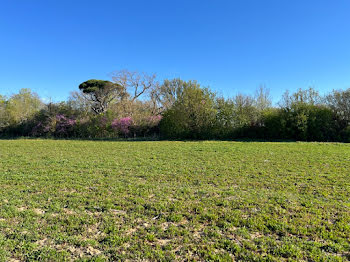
(95, 126)
(3, 112)
(17, 112)
(307, 118)
(339, 102)
(22, 106)
(95, 86)
(187, 112)
(101, 93)
(192, 115)
(274, 124)
(245, 111)
(225, 115)
(345, 134)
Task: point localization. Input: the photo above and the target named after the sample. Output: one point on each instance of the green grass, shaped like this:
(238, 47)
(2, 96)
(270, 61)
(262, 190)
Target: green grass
(171, 201)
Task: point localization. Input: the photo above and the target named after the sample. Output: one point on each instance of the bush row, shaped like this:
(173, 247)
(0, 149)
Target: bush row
(182, 110)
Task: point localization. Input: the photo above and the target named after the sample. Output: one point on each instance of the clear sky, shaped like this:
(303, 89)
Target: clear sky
(232, 46)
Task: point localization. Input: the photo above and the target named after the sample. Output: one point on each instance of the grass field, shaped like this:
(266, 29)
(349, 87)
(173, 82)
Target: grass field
(223, 201)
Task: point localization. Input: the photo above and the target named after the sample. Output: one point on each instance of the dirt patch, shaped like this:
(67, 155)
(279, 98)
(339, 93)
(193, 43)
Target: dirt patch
(117, 212)
(38, 211)
(20, 209)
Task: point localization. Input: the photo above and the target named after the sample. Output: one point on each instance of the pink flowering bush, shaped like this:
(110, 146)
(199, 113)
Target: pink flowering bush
(64, 124)
(154, 120)
(59, 125)
(41, 128)
(123, 125)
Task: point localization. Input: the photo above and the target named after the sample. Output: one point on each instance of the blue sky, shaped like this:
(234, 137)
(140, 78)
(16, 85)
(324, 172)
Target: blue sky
(232, 46)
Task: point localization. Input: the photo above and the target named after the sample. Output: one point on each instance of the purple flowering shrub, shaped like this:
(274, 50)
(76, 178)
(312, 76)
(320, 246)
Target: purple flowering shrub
(123, 125)
(154, 120)
(41, 128)
(64, 125)
(57, 125)
(43, 125)
(100, 126)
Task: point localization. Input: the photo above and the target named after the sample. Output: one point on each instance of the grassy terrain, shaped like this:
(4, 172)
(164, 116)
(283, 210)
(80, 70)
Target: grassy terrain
(86, 200)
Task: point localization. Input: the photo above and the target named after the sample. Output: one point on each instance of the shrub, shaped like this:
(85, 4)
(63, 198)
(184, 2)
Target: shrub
(64, 126)
(192, 116)
(94, 126)
(345, 134)
(41, 129)
(146, 126)
(123, 125)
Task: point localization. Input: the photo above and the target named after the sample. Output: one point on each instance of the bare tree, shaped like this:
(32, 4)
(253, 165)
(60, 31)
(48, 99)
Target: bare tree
(262, 98)
(285, 101)
(155, 101)
(309, 96)
(78, 101)
(169, 92)
(134, 83)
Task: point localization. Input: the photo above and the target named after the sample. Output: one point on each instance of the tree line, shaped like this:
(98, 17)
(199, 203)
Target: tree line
(136, 104)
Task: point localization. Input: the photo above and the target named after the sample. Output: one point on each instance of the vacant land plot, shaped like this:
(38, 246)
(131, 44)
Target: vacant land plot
(86, 200)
